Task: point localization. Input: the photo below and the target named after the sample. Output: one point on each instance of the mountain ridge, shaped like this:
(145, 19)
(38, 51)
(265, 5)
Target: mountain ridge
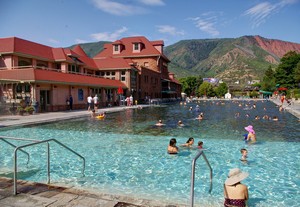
(243, 58)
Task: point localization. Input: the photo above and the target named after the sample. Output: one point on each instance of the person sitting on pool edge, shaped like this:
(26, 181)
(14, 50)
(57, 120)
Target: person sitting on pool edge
(189, 142)
(172, 148)
(235, 193)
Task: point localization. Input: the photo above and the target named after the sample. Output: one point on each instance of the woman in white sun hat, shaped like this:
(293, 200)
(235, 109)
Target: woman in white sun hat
(235, 193)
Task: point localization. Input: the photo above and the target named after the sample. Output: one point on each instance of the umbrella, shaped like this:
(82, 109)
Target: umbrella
(282, 89)
(120, 90)
(266, 92)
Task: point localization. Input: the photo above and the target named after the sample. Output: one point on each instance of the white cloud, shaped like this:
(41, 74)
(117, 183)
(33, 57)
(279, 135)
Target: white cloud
(105, 36)
(153, 2)
(262, 11)
(79, 41)
(207, 23)
(117, 8)
(167, 29)
(53, 41)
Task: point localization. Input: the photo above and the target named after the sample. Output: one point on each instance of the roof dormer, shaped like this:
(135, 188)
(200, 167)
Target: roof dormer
(117, 47)
(137, 47)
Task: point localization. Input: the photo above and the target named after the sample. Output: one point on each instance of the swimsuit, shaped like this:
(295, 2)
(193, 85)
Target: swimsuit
(234, 202)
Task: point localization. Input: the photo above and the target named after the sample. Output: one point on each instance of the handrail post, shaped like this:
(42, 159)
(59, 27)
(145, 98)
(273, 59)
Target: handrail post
(48, 163)
(192, 183)
(15, 170)
(3, 139)
(36, 142)
(193, 175)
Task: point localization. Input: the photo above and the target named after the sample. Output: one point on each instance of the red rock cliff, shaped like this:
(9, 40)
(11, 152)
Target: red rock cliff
(277, 47)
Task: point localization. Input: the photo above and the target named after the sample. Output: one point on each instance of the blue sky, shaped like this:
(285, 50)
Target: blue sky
(62, 23)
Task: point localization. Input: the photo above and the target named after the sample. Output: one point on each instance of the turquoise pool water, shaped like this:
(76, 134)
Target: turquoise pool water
(126, 154)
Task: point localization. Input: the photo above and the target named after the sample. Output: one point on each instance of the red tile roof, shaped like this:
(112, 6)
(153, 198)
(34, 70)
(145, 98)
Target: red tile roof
(17, 45)
(34, 75)
(113, 63)
(149, 49)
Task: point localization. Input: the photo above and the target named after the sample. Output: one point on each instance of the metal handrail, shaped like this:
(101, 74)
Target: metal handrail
(36, 142)
(193, 175)
(28, 156)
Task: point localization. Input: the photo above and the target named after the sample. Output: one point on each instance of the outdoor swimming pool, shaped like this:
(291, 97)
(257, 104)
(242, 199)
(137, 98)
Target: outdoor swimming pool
(126, 154)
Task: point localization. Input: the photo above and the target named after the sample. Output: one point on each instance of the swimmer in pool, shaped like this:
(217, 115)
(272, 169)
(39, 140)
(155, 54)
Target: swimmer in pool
(180, 124)
(159, 123)
(189, 142)
(172, 148)
(251, 134)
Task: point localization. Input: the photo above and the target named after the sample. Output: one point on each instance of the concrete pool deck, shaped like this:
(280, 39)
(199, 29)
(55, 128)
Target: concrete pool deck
(33, 194)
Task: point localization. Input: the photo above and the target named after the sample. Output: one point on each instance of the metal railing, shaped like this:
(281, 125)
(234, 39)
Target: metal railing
(36, 142)
(193, 175)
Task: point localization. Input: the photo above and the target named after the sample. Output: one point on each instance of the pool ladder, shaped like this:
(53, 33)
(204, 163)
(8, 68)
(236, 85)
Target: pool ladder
(193, 175)
(35, 142)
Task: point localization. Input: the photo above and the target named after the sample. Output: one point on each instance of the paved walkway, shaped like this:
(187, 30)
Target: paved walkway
(16, 120)
(293, 108)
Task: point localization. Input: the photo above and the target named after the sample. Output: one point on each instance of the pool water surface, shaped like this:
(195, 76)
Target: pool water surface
(126, 154)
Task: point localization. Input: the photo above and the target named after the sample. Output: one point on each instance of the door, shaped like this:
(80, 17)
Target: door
(44, 100)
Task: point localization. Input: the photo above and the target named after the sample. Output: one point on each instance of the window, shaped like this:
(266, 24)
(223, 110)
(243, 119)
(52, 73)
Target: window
(108, 73)
(24, 61)
(19, 89)
(146, 64)
(80, 94)
(116, 48)
(58, 66)
(136, 46)
(27, 88)
(123, 76)
(40, 63)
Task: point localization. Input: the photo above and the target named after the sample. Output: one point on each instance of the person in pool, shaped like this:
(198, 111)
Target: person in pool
(159, 123)
(189, 142)
(251, 134)
(244, 153)
(172, 148)
(180, 124)
(93, 114)
(200, 145)
(235, 193)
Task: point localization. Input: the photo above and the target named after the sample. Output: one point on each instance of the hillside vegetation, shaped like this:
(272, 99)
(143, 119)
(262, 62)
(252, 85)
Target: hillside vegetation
(230, 59)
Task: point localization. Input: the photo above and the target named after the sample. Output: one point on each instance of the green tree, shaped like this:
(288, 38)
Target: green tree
(191, 84)
(206, 89)
(297, 74)
(285, 72)
(221, 90)
(268, 83)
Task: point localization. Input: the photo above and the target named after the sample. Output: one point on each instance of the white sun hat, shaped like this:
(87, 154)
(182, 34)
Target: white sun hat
(235, 175)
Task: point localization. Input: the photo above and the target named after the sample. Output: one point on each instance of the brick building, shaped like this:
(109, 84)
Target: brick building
(32, 72)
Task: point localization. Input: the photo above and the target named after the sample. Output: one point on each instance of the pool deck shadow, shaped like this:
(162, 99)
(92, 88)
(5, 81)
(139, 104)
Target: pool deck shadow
(31, 194)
